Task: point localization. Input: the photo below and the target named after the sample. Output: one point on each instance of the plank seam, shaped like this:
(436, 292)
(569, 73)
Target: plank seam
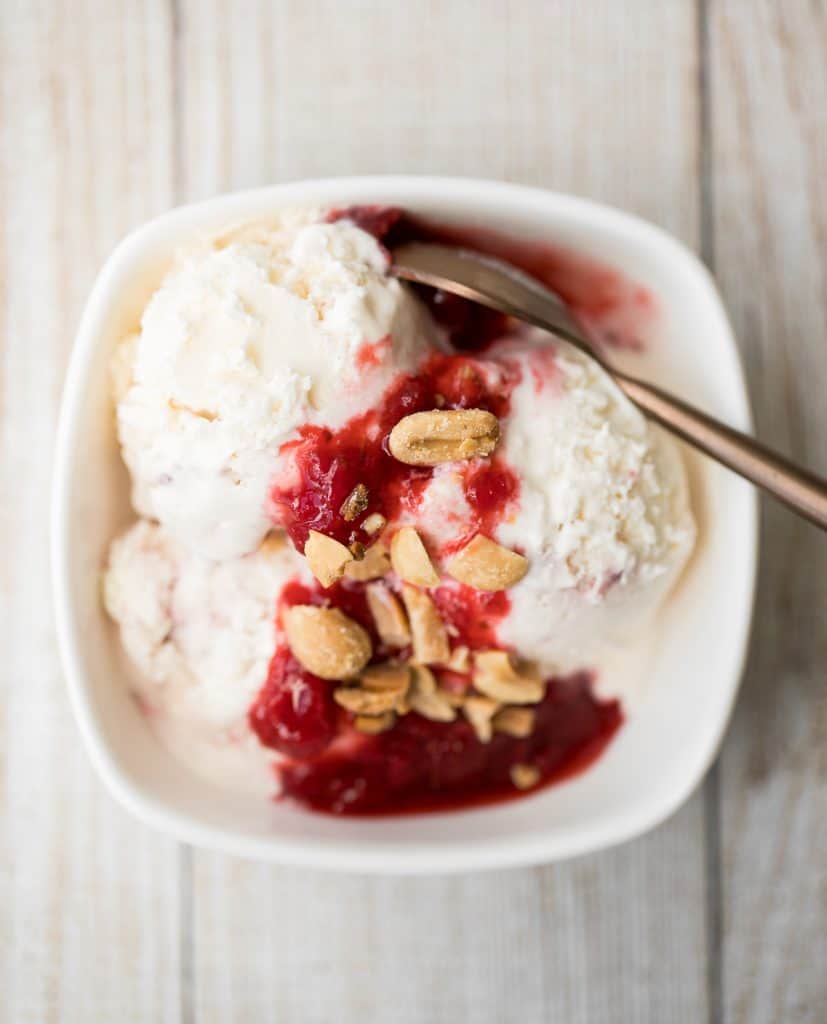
(186, 936)
(176, 80)
(186, 921)
(712, 788)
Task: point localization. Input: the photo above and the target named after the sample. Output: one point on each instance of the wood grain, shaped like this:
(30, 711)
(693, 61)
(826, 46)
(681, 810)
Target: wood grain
(599, 939)
(617, 936)
(88, 900)
(769, 187)
(114, 110)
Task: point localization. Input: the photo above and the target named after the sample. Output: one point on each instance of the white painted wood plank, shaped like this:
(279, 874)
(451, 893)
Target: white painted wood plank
(598, 99)
(594, 98)
(617, 936)
(89, 926)
(769, 89)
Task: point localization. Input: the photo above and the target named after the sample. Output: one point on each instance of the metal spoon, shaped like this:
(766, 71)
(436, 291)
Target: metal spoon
(500, 286)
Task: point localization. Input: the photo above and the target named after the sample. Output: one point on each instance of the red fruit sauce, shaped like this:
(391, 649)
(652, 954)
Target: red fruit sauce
(293, 712)
(425, 766)
(329, 464)
(420, 765)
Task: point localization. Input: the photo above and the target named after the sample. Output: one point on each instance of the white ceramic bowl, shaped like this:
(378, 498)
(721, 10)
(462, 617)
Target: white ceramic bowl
(663, 749)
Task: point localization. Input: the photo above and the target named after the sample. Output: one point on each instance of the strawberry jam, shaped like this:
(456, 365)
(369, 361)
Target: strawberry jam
(294, 712)
(425, 766)
(327, 465)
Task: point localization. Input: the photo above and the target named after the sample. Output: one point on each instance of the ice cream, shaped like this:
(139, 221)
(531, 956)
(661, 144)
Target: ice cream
(603, 513)
(248, 337)
(200, 632)
(604, 516)
(454, 538)
(200, 635)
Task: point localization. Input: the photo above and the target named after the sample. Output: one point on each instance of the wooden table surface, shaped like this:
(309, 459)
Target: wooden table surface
(708, 117)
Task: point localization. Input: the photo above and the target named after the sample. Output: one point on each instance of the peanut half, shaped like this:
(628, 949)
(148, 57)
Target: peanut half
(426, 698)
(374, 523)
(388, 615)
(326, 558)
(363, 702)
(460, 660)
(496, 676)
(274, 542)
(480, 711)
(410, 560)
(381, 688)
(372, 725)
(524, 776)
(444, 435)
(326, 642)
(430, 638)
(486, 565)
(516, 722)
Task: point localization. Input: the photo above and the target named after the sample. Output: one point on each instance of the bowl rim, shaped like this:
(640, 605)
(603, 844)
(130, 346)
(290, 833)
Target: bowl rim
(377, 856)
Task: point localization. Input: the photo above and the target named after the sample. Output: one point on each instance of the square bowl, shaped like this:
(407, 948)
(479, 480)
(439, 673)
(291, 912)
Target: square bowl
(667, 742)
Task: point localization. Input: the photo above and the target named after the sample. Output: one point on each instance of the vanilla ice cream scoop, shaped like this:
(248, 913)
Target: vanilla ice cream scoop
(602, 513)
(200, 632)
(604, 516)
(200, 635)
(247, 338)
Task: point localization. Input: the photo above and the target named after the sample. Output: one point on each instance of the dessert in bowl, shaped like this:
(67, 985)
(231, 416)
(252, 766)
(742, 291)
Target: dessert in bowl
(394, 553)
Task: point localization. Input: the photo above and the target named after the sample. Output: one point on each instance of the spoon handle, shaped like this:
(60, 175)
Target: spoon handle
(801, 490)
(500, 286)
